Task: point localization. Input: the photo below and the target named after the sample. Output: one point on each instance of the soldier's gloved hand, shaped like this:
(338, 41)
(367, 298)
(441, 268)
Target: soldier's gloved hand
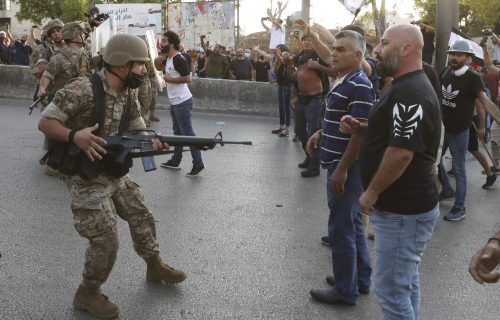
(90, 143)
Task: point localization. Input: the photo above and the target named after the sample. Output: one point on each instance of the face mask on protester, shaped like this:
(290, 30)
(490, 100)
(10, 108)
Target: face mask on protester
(247, 55)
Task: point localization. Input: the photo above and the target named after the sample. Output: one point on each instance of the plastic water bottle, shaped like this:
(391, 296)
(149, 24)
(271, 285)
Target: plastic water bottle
(220, 125)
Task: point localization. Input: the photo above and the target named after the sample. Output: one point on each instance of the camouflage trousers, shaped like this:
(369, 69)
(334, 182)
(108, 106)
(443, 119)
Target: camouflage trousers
(147, 96)
(96, 205)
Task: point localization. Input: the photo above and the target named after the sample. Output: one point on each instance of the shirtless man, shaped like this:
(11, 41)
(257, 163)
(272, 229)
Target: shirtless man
(312, 82)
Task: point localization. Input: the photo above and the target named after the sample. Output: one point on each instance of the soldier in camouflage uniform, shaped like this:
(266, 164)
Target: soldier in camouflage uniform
(68, 62)
(51, 39)
(147, 94)
(97, 203)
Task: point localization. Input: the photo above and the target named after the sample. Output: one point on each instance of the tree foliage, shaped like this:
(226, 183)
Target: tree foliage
(474, 15)
(37, 10)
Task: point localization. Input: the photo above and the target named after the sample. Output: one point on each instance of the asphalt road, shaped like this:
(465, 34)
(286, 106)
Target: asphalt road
(247, 232)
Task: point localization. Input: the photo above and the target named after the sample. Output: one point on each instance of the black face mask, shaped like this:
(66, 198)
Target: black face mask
(134, 81)
(165, 49)
(23, 41)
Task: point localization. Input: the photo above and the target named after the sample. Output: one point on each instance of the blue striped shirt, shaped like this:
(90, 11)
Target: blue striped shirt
(351, 95)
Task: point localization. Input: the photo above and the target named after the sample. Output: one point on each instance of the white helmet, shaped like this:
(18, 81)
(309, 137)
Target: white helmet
(461, 46)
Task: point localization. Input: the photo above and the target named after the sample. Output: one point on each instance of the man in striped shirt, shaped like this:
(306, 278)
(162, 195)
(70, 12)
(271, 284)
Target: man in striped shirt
(351, 94)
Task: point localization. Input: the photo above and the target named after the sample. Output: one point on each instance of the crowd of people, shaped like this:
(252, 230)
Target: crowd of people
(375, 117)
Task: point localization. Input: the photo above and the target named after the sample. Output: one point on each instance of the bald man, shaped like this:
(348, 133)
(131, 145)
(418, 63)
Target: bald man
(397, 159)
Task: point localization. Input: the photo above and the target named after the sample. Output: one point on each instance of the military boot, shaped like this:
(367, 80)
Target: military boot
(158, 271)
(153, 117)
(90, 299)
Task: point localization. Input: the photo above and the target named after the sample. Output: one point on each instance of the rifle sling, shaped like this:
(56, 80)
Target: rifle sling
(100, 102)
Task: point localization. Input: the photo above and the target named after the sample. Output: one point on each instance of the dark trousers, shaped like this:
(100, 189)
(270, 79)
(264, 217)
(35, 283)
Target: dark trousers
(307, 122)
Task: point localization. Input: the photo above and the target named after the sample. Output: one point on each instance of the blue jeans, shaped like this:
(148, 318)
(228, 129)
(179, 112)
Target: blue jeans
(307, 122)
(350, 257)
(284, 97)
(458, 149)
(400, 241)
(181, 119)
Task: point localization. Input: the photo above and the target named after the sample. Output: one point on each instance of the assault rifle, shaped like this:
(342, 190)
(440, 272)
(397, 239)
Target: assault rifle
(136, 144)
(49, 95)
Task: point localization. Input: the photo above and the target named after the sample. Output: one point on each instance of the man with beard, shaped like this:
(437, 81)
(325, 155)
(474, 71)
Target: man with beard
(97, 203)
(312, 84)
(177, 76)
(397, 160)
(351, 94)
(241, 68)
(461, 87)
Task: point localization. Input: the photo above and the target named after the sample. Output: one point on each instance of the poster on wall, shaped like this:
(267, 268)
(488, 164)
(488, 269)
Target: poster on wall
(192, 19)
(134, 18)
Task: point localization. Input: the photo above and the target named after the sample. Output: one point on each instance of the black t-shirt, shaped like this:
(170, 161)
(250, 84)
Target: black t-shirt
(261, 70)
(242, 69)
(458, 96)
(431, 73)
(406, 116)
(282, 77)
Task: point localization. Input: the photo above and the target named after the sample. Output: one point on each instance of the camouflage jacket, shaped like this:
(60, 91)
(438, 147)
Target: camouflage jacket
(44, 51)
(73, 106)
(66, 65)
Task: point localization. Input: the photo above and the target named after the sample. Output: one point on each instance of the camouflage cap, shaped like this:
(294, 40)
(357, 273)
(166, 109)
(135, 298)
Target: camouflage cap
(72, 30)
(56, 23)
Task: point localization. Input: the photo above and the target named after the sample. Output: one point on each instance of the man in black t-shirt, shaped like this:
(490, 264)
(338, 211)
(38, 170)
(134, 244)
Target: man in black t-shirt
(397, 170)
(241, 68)
(261, 67)
(460, 89)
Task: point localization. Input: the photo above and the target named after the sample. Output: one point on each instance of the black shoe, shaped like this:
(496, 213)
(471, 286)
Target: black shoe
(305, 164)
(455, 214)
(295, 138)
(450, 172)
(370, 236)
(446, 195)
(170, 164)
(325, 241)
(194, 171)
(310, 172)
(331, 281)
(490, 180)
(277, 131)
(329, 296)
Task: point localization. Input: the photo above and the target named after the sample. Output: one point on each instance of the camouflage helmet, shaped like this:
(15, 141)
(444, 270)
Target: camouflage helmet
(124, 48)
(56, 23)
(72, 30)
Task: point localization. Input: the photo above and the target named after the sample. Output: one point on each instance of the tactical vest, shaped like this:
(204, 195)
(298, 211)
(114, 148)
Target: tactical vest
(80, 66)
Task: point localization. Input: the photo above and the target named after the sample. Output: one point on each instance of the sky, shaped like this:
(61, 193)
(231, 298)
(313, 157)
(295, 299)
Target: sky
(329, 13)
